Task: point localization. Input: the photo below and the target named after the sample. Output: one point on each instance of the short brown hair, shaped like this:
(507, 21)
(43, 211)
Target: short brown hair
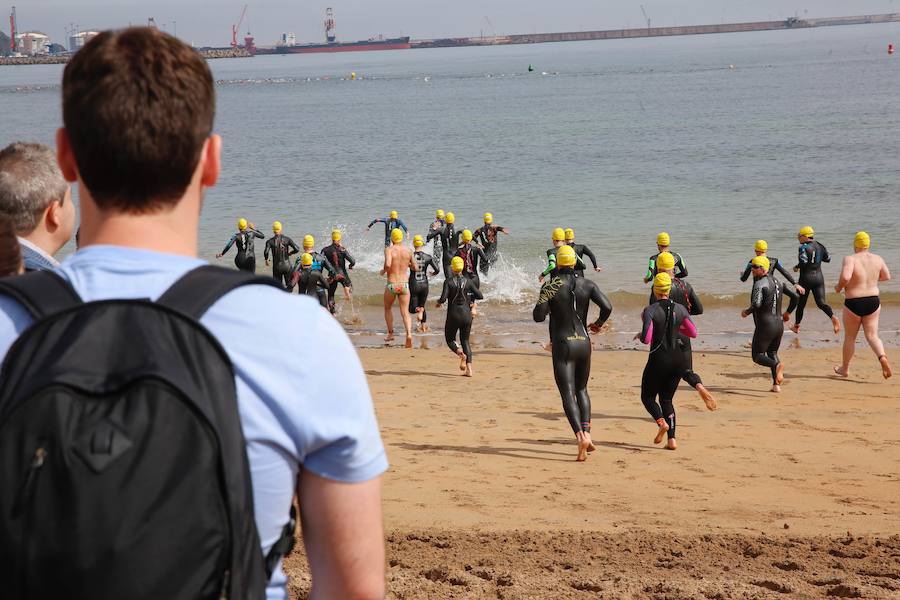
(138, 105)
(30, 180)
(10, 252)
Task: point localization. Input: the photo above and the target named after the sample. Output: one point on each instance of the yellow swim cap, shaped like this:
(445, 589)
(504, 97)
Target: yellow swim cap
(276, 226)
(861, 241)
(488, 218)
(565, 256)
(418, 241)
(393, 214)
(807, 231)
(761, 261)
(451, 217)
(397, 236)
(306, 260)
(438, 214)
(242, 224)
(662, 283)
(663, 239)
(761, 246)
(457, 264)
(336, 235)
(309, 241)
(665, 261)
(559, 235)
(570, 234)
(467, 236)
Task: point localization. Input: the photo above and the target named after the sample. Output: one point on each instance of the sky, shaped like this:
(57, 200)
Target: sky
(206, 23)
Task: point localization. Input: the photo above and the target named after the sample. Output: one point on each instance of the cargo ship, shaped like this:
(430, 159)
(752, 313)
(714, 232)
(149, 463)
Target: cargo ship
(288, 45)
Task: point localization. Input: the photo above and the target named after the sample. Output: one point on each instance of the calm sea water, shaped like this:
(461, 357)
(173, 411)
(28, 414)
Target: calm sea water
(718, 140)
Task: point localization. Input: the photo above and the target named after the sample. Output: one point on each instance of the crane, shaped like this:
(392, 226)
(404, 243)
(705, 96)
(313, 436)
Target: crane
(12, 30)
(235, 28)
(645, 16)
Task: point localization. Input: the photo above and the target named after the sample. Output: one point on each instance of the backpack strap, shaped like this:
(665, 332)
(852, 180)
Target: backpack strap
(283, 546)
(42, 293)
(199, 289)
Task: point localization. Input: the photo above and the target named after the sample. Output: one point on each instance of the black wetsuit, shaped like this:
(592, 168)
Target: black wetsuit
(665, 363)
(680, 270)
(774, 265)
(581, 251)
(281, 248)
(389, 226)
(586, 292)
(246, 255)
(437, 249)
(486, 235)
(320, 263)
(551, 262)
(811, 255)
(342, 261)
(457, 291)
(471, 255)
(683, 293)
(310, 283)
(449, 243)
(765, 305)
(418, 282)
(571, 344)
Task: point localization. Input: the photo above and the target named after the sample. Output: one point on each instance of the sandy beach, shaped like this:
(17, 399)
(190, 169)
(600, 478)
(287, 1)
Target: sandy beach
(771, 495)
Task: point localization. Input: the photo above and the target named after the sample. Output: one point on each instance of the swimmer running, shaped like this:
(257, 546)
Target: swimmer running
(471, 255)
(398, 262)
(765, 306)
(342, 261)
(558, 237)
(418, 283)
(581, 251)
(811, 255)
(281, 248)
(662, 322)
(486, 236)
(449, 240)
(458, 291)
(860, 274)
(761, 247)
(436, 225)
(571, 346)
(308, 281)
(663, 242)
(390, 224)
(319, 263)
(246, 256)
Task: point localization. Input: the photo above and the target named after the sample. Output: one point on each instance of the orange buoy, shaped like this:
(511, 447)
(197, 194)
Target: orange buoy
(890, 48)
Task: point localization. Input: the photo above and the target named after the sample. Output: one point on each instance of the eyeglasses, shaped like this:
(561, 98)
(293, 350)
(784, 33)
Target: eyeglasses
(756, 267)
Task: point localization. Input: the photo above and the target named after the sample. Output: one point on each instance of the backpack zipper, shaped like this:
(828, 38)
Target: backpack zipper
(27, 489)
(226, 583)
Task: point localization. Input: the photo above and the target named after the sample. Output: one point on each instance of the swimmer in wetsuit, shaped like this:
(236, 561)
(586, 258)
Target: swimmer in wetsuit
(342, 261)
(281, 248)
(761, 248)
(398, 262)
(559, 240)
(662, 322)
(860, 274)
(471, 255)
(320, 263)
(663, 242)
(437, 249)
(581, 251)
(486, 236)
(308, 281)
(418, 283)
(571, 345)
(683, 293)
(765, 306)
(246, 256)
(811, 255)
(458, 290)
(391, 223)
(449, 241)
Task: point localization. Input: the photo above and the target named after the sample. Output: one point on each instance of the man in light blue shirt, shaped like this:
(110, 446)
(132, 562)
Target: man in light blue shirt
(304, 403)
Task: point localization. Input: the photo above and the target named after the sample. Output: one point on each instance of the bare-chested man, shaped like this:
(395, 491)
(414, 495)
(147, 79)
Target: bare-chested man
(860, 275)
(398, 261)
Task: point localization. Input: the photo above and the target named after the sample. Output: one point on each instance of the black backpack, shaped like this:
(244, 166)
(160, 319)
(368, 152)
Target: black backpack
(123, 469)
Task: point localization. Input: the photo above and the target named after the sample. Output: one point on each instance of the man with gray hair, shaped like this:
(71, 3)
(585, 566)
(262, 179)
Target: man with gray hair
(34, 195)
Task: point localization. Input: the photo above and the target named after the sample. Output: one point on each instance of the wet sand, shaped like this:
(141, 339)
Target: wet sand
(771, 496)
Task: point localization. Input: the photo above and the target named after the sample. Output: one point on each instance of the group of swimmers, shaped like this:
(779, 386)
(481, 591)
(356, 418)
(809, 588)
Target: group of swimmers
(566, 295)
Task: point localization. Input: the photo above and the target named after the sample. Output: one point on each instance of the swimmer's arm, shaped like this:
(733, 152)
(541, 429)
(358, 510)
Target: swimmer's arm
(780, 268)
(755, 300)
(682, 268)
(480, 253)
(402, 226)
(646, 334)
(351, 262)
(825, 256)
(434, 233)
(257, 234)
(688, 328)
(294, 247)
(412, 262)
(476, 293)
(269, 244)
(696, 305)
(229, 245)
(651, 266)
(587, 252)
(551, 264)
(343, 535)
(600, 299)
(375, 220)
(328, 266)
(746, 272)
(884, 274)
(434, 265)
(846, 274)
(503, 230)
(794, 297)
(445, 292)
(387, 261)
(540, 312)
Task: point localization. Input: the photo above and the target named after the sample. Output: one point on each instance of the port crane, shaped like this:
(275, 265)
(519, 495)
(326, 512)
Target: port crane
(12, 30)
(236, 27)
(645, 16)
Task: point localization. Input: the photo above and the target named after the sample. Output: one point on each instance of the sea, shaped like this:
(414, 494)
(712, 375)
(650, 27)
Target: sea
(719, 140)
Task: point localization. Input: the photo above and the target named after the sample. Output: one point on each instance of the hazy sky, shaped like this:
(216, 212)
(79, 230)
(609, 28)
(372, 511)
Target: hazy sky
(209, 23)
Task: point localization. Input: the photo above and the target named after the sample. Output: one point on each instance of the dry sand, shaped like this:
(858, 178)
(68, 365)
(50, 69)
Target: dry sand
(774, 495)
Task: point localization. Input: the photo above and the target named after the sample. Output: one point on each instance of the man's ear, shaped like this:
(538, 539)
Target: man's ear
(53, 216)
(211, 161)
(65, 157)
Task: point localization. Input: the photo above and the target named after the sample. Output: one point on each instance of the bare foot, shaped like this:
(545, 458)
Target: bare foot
(389, 338)
(707, 397)
(425, 328)
(776, 389)
(582, 449)
(779, 373)
(663, 428)
(548, 346)
(469, 372)
(590, 443)
(795, 327)
(836, 324)
(409, 341)
(885, 367)
(841, 371)
(671, 444)
(462, 360)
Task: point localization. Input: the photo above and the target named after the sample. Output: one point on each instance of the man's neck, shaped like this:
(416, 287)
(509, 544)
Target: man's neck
(43, 240)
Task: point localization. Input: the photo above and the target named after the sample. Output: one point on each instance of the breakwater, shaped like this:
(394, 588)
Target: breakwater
(58, 59)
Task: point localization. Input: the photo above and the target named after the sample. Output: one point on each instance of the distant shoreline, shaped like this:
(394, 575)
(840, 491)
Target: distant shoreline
(61, 59)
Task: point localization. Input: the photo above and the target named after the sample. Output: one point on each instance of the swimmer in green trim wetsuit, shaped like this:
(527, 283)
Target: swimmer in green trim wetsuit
(581, 251)
(662, 244)
(281, 248)
(246, 256)
(559, 240)
(459, 290)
